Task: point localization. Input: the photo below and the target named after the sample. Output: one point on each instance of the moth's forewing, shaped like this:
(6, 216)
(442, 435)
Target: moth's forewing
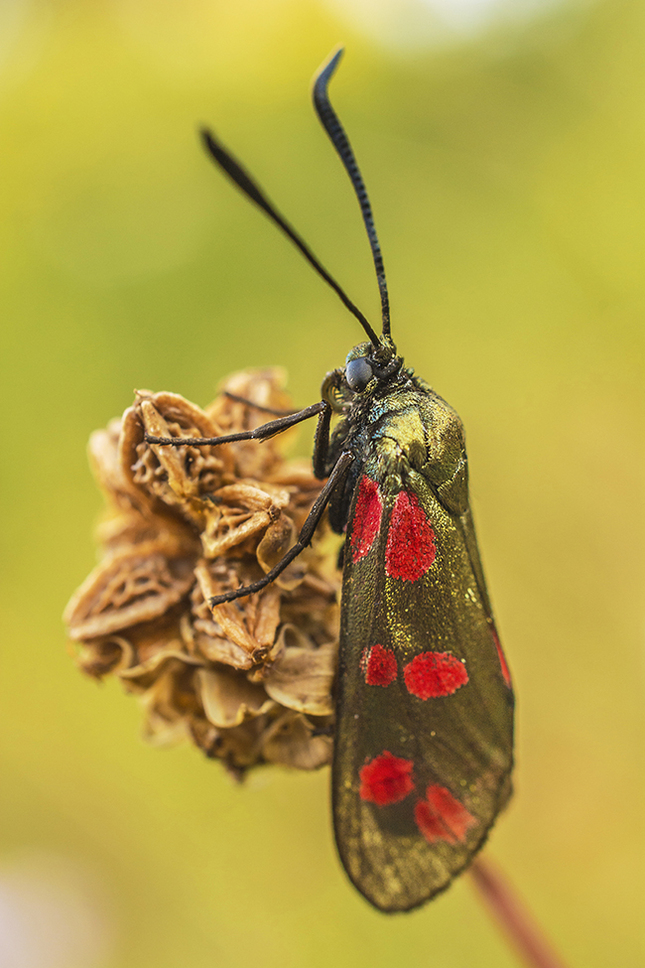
(425, 710)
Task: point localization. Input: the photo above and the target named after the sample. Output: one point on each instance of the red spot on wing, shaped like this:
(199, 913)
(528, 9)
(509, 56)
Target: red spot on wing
(441, 817)
(367, 517)
(433, 674)
(502, 658)
(386, 779)
(378, 665)
(410, 549)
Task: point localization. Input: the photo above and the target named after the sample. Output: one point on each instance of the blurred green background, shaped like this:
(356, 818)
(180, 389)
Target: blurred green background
(505, 159)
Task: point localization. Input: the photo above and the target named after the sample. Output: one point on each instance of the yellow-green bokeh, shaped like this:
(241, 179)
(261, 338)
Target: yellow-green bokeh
(507, 175)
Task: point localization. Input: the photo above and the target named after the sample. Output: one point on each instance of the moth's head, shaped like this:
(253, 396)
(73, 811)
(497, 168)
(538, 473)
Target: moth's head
(368, 366)
(359, 371)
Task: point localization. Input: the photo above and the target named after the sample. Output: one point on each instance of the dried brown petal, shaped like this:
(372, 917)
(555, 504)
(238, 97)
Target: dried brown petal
(181, 477)
(97, 657)
(106, 452)
(292, 741)
(103, 453)
(235, 624)
(229, 699)
(216, 649)
(131, 528)
(131, 586)
(130, 441)
(301, 679)
(238, 747)
(145, 674)
(239, 512)
(279, 537)
(169, 701)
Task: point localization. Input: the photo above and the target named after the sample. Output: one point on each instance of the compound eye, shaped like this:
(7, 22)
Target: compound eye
(358, 373)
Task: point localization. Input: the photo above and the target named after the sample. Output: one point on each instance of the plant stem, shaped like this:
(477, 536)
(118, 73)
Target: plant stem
(518, 925)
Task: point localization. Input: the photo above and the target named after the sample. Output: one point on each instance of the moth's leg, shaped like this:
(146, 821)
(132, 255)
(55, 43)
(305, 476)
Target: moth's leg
(267, 430)
(321, 443)
(331, 392)
(257, 406)
(335, 478)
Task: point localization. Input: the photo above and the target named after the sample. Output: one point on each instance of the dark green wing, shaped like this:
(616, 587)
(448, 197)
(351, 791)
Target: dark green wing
(425, 709)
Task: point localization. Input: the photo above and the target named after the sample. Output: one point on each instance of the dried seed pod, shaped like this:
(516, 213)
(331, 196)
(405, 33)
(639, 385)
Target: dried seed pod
(250, 681)
(132, 585)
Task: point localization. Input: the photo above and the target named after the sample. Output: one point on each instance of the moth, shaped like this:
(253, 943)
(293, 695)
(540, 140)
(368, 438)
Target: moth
(423, 745)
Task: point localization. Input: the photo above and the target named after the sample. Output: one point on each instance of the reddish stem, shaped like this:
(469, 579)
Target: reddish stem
(513, 917)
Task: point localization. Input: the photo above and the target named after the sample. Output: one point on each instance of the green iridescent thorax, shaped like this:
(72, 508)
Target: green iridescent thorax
(415, 427)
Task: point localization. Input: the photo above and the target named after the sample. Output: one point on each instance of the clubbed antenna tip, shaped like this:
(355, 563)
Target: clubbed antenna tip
(338, 137)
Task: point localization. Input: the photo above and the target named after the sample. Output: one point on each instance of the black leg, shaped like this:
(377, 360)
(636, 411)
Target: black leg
(260, 433)
(257, 406)
(335, 478)
(321, 443)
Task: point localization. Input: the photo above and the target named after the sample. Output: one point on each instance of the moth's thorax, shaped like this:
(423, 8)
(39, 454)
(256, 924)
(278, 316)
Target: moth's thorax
(404, 417)
(400, 428)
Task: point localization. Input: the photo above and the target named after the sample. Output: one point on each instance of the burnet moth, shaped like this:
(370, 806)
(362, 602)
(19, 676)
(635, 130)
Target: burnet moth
(423, 745)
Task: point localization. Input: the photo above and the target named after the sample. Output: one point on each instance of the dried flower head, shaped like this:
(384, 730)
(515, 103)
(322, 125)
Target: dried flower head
(248, 681)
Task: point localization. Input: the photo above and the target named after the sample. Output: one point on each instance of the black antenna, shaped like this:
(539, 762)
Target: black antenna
(252, 190)
(340, 141)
